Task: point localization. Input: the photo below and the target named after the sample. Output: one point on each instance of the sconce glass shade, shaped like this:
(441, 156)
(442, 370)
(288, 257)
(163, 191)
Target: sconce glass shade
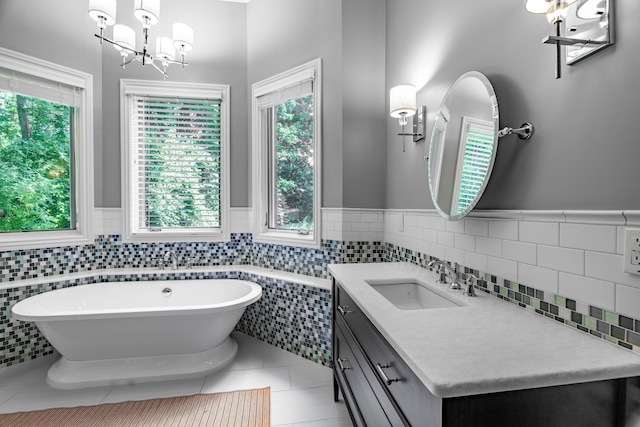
(556, 10)
(182, 37)
(402, 101)
(103, 9)
(165, 49)
(149, 9)
(124, 36)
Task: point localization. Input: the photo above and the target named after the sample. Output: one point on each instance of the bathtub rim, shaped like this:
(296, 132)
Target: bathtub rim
(254, 295)
(150, 273)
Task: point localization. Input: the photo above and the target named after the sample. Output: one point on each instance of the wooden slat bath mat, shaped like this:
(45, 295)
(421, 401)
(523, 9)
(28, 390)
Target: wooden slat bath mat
(245, 408)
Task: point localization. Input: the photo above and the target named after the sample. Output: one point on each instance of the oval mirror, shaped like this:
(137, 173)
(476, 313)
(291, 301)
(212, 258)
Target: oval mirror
(463, 145)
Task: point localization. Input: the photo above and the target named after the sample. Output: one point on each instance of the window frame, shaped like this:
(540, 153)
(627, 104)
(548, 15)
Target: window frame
(260, 157)
(178, 90)
(82, 148)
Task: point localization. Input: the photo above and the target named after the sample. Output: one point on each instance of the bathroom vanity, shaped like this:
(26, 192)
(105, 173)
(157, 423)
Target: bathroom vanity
(409, 352)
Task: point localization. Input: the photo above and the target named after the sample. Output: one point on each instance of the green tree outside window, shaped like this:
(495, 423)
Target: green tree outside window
(35, 164)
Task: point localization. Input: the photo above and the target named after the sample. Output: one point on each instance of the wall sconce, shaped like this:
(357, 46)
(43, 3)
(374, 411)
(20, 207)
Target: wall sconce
(588, 26)
(402, 104)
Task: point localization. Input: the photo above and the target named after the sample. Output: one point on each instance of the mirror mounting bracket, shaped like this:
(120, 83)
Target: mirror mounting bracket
(525, 131)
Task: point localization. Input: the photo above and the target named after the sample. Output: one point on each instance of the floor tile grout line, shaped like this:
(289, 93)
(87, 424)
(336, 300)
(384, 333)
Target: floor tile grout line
(287, 377)
(305, 388)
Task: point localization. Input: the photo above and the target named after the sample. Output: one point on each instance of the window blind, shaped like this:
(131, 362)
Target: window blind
(477, 159)
(175, 162)
(23, 84)
(279, 96)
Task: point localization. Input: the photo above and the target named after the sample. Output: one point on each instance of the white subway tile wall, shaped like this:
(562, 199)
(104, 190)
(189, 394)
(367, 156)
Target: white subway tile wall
(576, 254)
(354, 225)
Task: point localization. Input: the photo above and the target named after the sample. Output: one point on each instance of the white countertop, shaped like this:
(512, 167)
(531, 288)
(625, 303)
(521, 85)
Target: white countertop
(486, 346)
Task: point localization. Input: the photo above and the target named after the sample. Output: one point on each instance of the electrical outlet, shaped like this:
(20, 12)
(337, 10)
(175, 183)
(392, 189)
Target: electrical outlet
(632, 250)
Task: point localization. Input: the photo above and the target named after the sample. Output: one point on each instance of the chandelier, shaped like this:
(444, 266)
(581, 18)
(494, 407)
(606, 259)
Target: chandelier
(124, 37)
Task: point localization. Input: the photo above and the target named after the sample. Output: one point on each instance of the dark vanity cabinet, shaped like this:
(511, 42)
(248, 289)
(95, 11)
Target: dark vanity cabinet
(381, 390)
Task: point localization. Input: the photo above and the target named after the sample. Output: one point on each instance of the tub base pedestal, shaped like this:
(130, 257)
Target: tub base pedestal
(67, 374)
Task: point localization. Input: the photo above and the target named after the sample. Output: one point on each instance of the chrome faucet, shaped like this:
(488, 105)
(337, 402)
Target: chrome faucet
(442, 268)
(469, 290)
(171, 256)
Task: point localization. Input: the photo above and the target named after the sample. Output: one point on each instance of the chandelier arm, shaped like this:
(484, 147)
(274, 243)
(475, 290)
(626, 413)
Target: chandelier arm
(106, 39)
(164, 73)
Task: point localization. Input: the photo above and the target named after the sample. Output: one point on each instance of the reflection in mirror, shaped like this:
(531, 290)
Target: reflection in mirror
(463, 145)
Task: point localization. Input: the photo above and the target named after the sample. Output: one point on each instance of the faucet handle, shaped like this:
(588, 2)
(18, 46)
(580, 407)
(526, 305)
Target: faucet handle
(160, 264)
(469, 290)
(188, 263)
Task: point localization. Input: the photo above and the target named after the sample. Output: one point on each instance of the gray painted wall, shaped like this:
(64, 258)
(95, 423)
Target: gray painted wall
(218, 56)
(585, 151)
(349, 36)
(363, 103)
(283, 34)
(582, 156)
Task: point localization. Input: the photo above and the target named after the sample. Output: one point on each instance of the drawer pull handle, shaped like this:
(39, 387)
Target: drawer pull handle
(343, 367)
(380, 368)
(343, 311)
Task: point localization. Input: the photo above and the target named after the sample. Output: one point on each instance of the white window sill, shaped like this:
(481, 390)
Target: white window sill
(289, 238)
(43, 239)
(167, 236)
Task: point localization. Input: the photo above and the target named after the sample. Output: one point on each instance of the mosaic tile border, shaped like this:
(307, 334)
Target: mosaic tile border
(292, 316)
(108, 252)
(613, 327)
(22, 342)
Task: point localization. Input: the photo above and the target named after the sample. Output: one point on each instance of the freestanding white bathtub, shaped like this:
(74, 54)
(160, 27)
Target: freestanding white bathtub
(131, 332)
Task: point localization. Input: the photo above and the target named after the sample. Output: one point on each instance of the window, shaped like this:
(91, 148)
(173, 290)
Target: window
(46, 154)
(286, 157)
(175, 160)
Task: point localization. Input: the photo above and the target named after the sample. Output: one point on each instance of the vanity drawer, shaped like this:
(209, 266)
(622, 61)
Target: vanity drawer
(408, 393)
(366, 403)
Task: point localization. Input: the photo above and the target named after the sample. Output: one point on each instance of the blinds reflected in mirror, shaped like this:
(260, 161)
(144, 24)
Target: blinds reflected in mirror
(476, 155)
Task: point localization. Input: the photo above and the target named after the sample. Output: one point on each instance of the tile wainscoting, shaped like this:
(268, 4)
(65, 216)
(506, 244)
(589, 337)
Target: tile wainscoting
(291, 315)
(565, 265)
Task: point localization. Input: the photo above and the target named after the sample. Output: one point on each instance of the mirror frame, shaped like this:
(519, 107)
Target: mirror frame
(493, 103)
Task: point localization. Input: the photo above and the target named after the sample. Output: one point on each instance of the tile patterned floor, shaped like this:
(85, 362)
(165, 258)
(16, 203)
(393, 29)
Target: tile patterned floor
(301, 391)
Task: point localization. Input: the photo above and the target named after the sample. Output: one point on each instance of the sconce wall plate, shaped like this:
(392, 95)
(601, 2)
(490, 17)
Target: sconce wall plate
(584, 27)
(590, 20)
(418, 123)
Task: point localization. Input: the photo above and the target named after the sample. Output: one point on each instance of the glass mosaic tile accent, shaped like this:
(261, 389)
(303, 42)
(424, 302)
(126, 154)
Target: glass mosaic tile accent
(292, 316)
(20, 342)
(612, 327)
(111, 252)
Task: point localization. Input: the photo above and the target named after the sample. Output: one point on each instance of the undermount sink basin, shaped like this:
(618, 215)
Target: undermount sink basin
(410, 295)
